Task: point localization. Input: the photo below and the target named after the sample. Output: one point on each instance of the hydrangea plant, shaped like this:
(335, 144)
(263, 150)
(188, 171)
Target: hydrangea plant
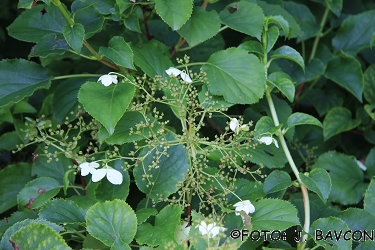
(181, 124)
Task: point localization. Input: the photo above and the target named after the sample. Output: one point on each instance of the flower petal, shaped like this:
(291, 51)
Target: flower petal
(233, 125)
(266, 139)
(186, 77)
(98, 175)
(275, 141)
(244, 206)
(361, 165)
(114, 79)
(173, 71)
(114, 176)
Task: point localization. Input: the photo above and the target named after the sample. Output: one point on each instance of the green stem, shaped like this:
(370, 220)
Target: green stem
(63, 12)
(191, 64)
(74, 76)
(284, 146)
(319, 34)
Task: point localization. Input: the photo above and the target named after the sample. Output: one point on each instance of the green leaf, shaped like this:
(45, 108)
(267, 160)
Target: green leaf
(369, 84)
(290, 54)
(74, 35)
(38, 236)
(372, 40)
(44, 197)
(242, 81)
(274, 214)
(163, 230)
(112, 222)
(324, 229)
(119, 52)
(9, 141)
(246, 190)
(13, 179)
(335, 6)
(276, 181)
(33, 189)
(370, 110)
(62, 211)
(144, 213)
(324, 100)
(369, 200)
(112, 100)
(286, 86)
(346, 71)
(152, 58)
(265, 125)
(19, 78)
(108, 191)
(319, 182)
(338, 120)
(34, 23)
(128, 129)
(15, 217)
(174, 13)
(370, 162)
(279, 20)
(26, 4)
(272, 36)
(65, 99)
(158, 174)
(347, 178)
(91, 20)
(298, 118)
(244, 17)
(23, 107)
(200, 27)
(49, 44)
(105, 7)
(5, 244)
(358, 26)
(252, 46)
(358, 219)
(132, 23)
(284, 18)
(56, 168)
(305, 19)
(209, 101)
(267, 155)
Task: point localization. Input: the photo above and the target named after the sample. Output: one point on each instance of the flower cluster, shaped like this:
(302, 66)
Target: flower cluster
(114, 176)
(176, 72)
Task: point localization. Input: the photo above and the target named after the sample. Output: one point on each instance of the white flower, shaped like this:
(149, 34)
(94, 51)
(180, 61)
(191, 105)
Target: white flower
(361, 165)
(176, 72)
(268, 140)
(113, 176)
(211, 229)
(108, 79)
(234, 125)
(88, 167)
(182, 233)
(244, 206)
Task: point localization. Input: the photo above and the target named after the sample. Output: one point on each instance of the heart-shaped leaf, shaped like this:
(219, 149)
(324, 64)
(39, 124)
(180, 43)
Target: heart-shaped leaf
(106, 104)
